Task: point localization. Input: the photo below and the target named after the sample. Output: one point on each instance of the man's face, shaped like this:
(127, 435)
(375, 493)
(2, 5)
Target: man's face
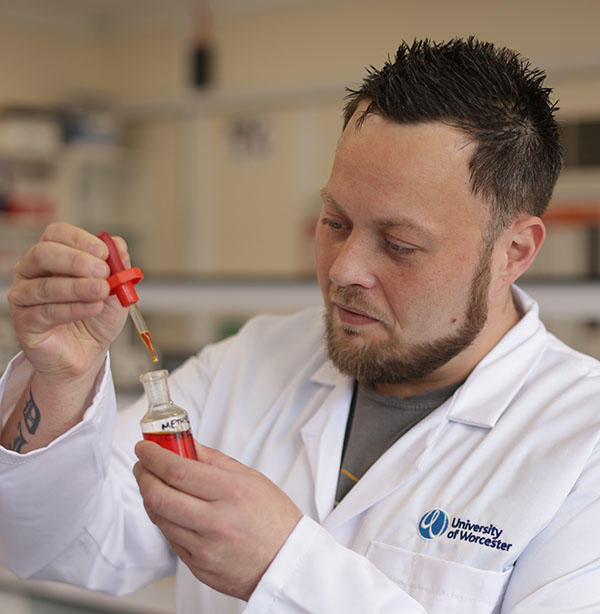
(401, 258)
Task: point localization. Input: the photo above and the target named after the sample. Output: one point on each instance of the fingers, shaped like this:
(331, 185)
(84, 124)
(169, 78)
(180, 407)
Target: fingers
(66, 250)
(190, 548)
(213, 457)
(81, 240)
(64, 274)
(191, 526)
(46, 290)
(78, 238)
(42, 318)
(164, 502)
(49, 258)
(201, 478)
(37, 305)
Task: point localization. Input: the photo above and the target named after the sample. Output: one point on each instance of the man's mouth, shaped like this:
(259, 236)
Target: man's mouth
(353, 316)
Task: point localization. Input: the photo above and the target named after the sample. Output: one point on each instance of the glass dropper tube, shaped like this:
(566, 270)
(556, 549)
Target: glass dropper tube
(142, 329)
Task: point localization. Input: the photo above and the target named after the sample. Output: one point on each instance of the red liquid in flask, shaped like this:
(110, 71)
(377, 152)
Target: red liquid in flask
(181, 442)
(165, 423)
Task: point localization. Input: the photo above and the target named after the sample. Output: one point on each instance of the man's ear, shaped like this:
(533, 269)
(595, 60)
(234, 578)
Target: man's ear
(522, 241)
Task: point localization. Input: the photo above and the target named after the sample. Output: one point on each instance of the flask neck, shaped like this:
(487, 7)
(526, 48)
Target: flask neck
(156, 388)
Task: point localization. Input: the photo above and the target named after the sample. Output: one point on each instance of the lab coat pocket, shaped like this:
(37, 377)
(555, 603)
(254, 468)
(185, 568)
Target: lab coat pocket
(442, 587)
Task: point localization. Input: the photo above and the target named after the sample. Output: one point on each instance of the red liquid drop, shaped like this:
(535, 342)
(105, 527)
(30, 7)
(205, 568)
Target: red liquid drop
(181, 443)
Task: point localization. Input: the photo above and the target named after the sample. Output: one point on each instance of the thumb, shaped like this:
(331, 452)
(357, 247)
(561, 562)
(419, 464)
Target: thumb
(212, 456)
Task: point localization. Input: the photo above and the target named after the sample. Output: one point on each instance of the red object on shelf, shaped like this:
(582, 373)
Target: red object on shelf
(122, 280)
(566, 212)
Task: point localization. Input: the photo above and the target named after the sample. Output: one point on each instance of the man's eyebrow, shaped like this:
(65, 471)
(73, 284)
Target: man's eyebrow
(325, 195)
(401, 221)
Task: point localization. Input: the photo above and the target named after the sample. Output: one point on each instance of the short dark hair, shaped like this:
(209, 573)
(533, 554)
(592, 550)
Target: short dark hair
(495, 97)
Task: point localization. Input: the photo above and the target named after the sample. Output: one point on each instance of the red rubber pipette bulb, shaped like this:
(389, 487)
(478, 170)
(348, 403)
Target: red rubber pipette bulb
(121, 280)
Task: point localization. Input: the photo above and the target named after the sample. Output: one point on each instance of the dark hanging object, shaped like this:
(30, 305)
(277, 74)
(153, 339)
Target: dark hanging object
(202, 55)
(202, 66)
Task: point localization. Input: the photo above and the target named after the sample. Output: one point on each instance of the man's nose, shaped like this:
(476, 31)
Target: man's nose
(353, 264)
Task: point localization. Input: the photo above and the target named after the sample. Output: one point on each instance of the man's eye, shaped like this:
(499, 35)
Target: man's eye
(398, 248)
(332, 224)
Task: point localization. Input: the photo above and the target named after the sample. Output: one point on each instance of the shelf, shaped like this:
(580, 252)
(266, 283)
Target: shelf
(227, 296)
(574, 299)
(571, 299)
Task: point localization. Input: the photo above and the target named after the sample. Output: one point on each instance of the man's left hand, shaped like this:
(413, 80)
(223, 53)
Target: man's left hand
(224, 520)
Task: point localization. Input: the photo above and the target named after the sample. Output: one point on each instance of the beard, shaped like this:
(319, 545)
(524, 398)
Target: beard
(388, 362)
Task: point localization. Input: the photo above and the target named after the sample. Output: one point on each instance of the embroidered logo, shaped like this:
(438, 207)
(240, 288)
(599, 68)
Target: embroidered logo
(436, 522)
(433, 524)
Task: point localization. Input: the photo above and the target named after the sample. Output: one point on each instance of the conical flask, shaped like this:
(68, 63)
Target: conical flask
(164, 422)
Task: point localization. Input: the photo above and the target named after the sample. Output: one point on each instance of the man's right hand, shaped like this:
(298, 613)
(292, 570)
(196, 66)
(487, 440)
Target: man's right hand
(60, 306)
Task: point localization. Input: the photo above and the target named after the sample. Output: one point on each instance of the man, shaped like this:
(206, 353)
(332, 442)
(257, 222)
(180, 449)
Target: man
(428, 448)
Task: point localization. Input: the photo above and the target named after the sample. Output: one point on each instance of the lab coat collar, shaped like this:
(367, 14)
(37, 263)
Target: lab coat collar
(328, 375)
(495, 381)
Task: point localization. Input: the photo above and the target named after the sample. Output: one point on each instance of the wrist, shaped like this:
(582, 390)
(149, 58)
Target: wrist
(68, 383)
(66, 398)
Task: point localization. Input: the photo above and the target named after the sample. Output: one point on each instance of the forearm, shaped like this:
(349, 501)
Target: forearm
(46, 409)
(64, 320)
(67, 509)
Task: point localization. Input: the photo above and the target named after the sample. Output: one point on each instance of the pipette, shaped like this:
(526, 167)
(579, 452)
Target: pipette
(121, 283)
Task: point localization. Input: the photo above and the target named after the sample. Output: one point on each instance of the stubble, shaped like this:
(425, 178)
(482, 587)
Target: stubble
(391, 362)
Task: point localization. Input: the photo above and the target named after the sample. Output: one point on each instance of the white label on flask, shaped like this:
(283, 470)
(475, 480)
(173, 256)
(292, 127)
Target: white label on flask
(178, 424)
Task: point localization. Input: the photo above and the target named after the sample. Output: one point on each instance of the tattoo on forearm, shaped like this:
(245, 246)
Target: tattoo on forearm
(19, 441)
(31, 417)
(31, 414)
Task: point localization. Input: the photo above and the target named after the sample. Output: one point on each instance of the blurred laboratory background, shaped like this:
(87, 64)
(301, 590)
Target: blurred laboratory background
(202, 132)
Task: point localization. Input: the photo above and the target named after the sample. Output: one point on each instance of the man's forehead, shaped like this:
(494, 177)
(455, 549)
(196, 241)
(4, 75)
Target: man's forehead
(445, 133)
(424, 168)
(438, 152)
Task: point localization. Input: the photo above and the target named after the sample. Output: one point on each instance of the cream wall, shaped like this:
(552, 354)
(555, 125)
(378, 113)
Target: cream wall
(200, 209)
(44, 63)
(148, 64)
(333, 41)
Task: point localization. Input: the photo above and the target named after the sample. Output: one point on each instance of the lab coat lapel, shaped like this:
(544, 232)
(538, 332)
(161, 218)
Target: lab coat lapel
(399, 464)
(323, 436)
(499, 377)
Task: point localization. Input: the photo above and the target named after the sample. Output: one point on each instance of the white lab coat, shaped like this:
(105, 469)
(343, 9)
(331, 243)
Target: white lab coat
(511, 460)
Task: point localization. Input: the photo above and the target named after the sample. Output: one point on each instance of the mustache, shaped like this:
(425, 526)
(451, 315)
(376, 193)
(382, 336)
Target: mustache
(355, 298)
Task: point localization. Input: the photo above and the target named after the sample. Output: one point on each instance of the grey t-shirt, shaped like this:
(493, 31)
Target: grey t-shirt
(375, 423)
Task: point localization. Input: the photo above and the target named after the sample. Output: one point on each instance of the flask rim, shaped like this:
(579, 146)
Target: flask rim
(153, 376)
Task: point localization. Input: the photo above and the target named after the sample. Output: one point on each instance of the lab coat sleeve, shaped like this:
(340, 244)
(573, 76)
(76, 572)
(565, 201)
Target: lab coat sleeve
(314, 573)
(559, 571)
(71, 511)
